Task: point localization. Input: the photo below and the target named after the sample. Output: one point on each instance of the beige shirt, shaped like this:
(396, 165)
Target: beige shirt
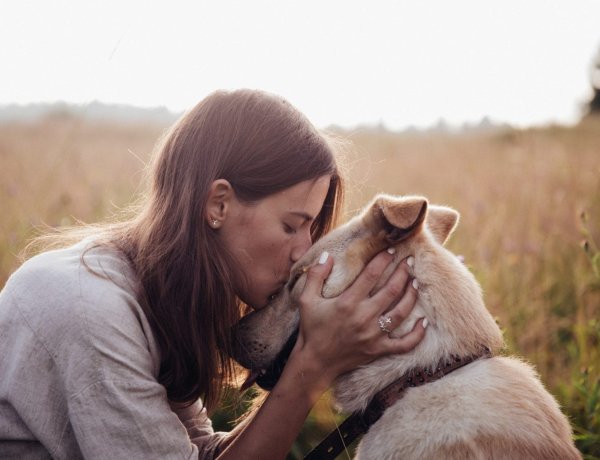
(79, 367)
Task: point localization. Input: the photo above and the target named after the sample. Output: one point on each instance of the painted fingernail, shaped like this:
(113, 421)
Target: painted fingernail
(415, 283)
(323, 258)
(410, 261)
(391, 250)
(425, 323)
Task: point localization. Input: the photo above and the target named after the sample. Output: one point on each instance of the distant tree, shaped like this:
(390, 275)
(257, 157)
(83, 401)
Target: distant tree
(594, 104)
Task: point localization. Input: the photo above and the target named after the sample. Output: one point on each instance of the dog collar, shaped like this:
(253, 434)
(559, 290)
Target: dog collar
(359, 422)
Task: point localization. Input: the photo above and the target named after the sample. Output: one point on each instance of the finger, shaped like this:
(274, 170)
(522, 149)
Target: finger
(408, 341)
(368, 278)
(402, 309)
(316, 276)
(394, 289)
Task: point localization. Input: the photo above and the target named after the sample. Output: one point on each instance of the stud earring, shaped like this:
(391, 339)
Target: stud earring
(215, 222)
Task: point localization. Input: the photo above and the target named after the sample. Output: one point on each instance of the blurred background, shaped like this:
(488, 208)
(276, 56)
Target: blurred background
(491, 108)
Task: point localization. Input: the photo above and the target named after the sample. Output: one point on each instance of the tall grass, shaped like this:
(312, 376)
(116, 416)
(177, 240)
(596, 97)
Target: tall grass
(521, 195)
(62, 170)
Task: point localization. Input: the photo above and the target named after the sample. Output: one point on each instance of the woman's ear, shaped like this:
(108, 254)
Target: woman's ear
(218, 204)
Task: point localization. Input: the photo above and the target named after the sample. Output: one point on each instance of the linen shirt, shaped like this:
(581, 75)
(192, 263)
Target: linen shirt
(79, 367)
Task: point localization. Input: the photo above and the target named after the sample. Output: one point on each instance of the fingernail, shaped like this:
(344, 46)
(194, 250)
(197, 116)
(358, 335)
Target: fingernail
(415, 283)
(391, 250)
(323, 258)
(410, 261)
(425, 323)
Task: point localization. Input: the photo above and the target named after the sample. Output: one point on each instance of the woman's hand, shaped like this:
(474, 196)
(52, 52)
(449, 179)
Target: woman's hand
(342, 333)
(336, 336)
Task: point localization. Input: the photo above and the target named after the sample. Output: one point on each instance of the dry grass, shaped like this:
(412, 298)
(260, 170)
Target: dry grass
(520, 194)
(62, 170)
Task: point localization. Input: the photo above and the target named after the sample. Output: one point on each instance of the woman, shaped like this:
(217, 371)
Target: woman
(115, 346)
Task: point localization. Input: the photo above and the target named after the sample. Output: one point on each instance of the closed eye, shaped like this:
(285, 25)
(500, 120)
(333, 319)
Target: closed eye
(289, 229)
(295, 277)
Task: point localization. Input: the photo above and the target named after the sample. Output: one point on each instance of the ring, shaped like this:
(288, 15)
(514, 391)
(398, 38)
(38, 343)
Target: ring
(383, 322)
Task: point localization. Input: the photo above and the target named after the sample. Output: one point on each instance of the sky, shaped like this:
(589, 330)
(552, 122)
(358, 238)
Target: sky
(400, 63)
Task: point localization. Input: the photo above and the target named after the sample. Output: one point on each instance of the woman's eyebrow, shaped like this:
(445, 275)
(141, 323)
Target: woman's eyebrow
(303, 215)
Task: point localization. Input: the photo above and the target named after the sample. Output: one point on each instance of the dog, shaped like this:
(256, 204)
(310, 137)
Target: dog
(492, 408)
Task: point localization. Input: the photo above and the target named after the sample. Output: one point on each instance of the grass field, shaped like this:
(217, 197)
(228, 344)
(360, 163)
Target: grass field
(528, 200)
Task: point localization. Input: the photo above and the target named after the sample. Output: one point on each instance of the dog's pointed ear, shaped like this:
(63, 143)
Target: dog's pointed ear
(442, 221)
(399, 217)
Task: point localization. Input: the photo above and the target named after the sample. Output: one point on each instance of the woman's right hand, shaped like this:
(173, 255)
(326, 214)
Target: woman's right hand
(341, 333)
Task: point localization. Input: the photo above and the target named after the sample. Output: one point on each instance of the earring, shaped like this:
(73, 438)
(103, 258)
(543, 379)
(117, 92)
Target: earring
(215, 222)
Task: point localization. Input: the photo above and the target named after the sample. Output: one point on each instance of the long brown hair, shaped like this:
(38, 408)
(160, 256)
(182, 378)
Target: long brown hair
(261, 144)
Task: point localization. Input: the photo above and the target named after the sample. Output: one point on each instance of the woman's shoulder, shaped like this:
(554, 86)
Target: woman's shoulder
(66, 264)
(82, 273)
(80, 303)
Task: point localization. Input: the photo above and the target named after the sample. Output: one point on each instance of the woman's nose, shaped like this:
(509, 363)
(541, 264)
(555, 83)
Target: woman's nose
(304, 242)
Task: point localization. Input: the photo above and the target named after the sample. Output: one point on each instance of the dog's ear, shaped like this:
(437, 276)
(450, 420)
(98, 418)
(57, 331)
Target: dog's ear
(399, 217)
(442, 221)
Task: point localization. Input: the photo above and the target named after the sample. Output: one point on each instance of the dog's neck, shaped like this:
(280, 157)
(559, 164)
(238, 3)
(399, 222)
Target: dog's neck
(359, 423)
(459, 325)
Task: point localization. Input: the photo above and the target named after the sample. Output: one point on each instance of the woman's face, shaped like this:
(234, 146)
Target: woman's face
(268, 236)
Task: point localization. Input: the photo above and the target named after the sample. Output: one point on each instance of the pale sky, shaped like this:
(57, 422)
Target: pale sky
(341, 62)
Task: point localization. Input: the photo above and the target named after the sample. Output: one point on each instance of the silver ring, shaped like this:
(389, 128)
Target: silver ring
(383, 322)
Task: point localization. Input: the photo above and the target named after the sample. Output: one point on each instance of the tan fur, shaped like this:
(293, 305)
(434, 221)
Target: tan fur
(492, 409)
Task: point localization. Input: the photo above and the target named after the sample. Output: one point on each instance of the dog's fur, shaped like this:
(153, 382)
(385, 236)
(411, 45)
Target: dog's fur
(494, 408)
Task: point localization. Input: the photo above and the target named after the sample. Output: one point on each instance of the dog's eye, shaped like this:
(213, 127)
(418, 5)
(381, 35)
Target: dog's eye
(294, 279)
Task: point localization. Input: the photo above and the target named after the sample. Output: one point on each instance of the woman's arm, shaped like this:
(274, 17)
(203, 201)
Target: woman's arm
(336, 335)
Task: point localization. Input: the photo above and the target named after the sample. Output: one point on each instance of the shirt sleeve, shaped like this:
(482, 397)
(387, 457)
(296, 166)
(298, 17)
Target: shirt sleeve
(124, 411)
(120, 419)
(199, 428)
(98, 367)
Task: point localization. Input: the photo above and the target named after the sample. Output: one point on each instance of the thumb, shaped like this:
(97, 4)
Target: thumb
(316, 276)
